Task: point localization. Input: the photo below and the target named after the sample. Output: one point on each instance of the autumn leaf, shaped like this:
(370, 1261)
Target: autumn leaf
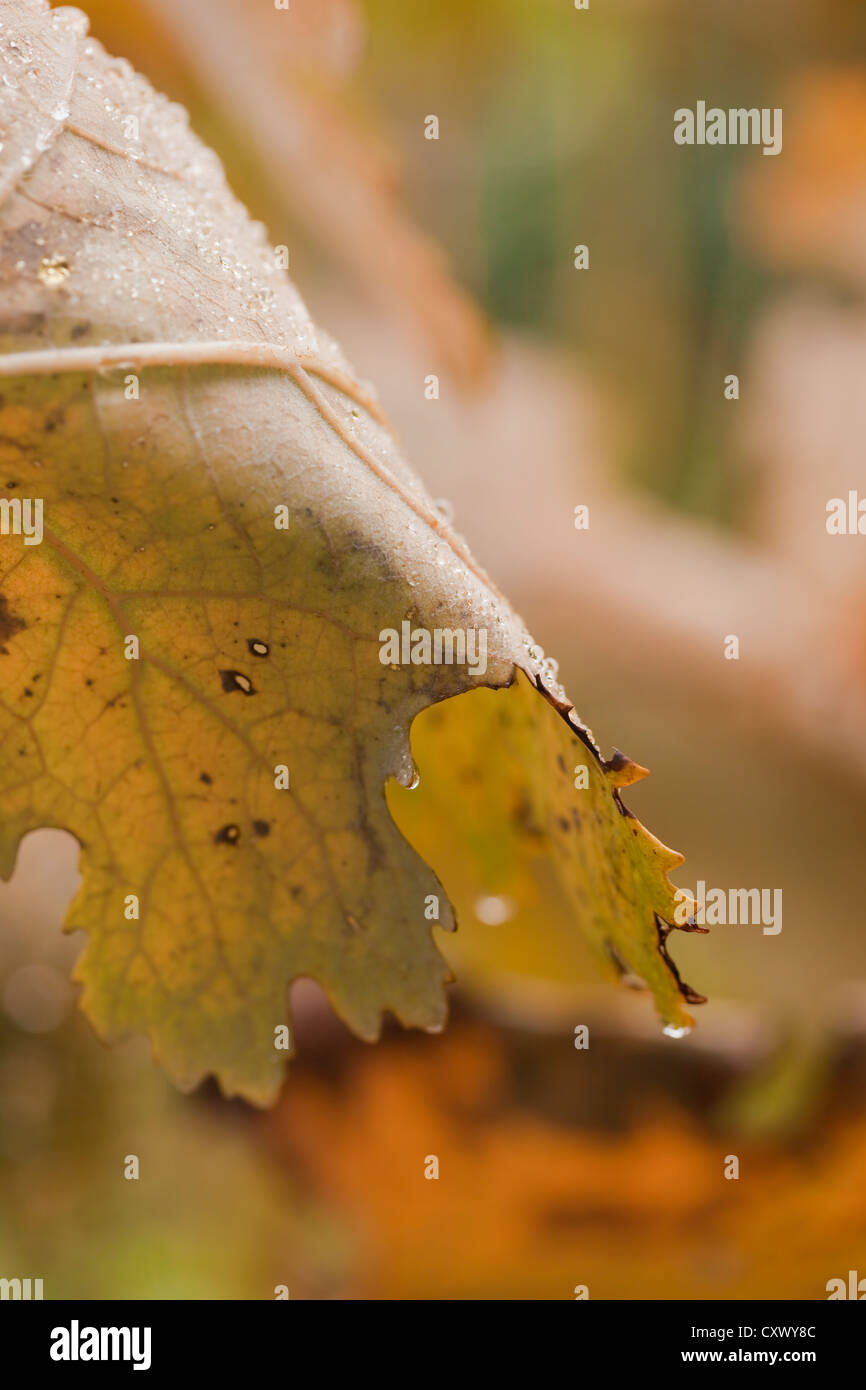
(207, 529)
(531, 787)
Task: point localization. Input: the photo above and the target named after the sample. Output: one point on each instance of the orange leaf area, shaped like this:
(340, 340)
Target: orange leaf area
(525, 1207)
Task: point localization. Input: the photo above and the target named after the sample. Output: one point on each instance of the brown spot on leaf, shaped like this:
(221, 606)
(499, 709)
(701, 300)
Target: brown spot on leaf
(236, 680)
(10, 623)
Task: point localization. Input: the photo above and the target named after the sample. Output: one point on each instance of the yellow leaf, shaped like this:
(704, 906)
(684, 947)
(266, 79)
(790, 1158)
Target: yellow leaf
(208, 533)
(502, 788)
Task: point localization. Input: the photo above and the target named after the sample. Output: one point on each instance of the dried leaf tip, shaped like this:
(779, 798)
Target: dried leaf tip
(623, 771)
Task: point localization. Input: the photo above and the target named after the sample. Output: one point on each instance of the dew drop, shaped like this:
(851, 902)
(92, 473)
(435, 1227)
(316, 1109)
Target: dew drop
(494, 910)
(53, 270)
(408, 775)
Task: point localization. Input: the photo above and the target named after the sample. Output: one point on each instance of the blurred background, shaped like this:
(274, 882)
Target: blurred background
(557, 387)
